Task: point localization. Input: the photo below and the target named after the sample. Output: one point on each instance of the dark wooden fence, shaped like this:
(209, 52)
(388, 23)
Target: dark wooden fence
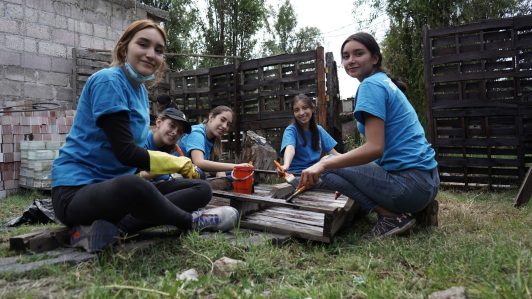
(478, 81)
(261, 97)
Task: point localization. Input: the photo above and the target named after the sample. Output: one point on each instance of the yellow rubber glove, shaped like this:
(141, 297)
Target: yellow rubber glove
(163, 163)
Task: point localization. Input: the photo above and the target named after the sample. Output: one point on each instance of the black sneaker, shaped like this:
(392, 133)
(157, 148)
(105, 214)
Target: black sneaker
(390, 225)
(428, 216)
(94, 237)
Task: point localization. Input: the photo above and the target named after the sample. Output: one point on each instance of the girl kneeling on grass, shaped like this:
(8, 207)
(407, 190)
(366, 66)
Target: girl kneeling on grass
(94, 185)
(204, 144)
(394, 172)
(304, 141)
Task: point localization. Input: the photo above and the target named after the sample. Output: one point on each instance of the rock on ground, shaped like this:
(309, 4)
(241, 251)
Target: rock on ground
(224, 266)
(190, 274)
(452, 293)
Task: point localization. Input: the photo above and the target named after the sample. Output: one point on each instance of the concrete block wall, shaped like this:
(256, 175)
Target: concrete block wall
(37, 37)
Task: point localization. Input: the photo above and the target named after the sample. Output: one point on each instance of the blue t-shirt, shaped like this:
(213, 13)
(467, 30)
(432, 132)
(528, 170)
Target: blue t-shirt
(87, 156)
(405, 145)
(305, 156)
(150, 145)
(197, 139)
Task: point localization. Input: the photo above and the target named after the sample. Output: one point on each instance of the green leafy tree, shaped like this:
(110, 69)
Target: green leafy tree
(402, 46)
(283, 37)
(181, 29)
(230, 29)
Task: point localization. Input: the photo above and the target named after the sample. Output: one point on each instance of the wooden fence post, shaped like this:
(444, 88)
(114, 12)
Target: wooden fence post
(322, 102)
(236, 121)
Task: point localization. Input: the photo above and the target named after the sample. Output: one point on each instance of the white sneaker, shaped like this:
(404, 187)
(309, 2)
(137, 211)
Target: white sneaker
(217, 219)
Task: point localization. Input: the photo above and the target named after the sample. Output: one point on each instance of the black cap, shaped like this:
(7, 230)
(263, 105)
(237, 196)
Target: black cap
(178, 115)
(163, 99)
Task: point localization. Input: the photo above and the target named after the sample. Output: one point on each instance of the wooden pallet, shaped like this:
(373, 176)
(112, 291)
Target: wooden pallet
(314, 215)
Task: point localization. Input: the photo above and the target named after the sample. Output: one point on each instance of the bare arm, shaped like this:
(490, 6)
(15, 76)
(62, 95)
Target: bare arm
(289, 153)
(211, 166)
(373, 149)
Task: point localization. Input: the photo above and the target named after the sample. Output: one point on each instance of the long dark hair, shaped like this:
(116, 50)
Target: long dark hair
(167, 148)
(315, 132)
(373, 47)
(216, 152)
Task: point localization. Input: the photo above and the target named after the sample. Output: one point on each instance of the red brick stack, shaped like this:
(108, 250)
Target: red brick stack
(52, 125)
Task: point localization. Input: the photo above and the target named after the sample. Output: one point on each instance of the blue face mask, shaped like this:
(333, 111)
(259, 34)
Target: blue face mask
(136, 76)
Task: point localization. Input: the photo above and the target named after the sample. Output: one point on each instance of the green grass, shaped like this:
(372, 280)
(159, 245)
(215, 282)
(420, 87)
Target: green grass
(482, 243)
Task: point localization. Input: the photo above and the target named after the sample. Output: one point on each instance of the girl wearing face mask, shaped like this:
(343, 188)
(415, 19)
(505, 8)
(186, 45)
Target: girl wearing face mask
(394, 173)
(204, 144)
(94, 185)
(304, 141)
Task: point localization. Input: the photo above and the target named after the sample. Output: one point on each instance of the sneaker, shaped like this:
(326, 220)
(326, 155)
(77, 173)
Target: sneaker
(429, 215)
(390, 225)
(94, 237)
(217, 219)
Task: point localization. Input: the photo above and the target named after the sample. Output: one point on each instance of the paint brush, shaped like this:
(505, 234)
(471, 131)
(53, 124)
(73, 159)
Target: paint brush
(287, 176)
(179, 150)
(299, 191)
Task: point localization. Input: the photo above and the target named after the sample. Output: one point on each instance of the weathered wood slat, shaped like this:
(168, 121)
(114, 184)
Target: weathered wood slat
(282, 227)
(491, 24)
(90, 55)
(476, 112)
(41, 241)
(256, 63)
(456, 161)
(464, 142)
(298, 204)
(474, 76)
(472, 56)
(314, 219)
(446, 104)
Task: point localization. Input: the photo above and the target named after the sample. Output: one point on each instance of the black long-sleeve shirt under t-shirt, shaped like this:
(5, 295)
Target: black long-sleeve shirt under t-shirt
(117, 128)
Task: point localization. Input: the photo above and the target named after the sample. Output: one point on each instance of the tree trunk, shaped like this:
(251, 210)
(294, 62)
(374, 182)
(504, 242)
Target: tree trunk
(261, 153)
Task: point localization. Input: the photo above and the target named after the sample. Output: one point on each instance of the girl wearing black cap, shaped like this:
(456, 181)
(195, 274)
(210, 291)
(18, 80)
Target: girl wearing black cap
(171, 124)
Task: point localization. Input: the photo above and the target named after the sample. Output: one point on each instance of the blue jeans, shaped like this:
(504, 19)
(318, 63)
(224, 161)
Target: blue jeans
(405, 191)
(319, 186)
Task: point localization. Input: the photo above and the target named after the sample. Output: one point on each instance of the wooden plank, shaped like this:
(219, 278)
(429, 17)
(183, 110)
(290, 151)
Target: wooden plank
(285, 58)
(474, 76)
(220, 70)
(197, 72)
(297, 204)
(316, 219)
(476, 112)
(525, 191)
(41, 241)
(453, 104)
(282, 227)
(491, 24)
(472, 56)
(457, 161)
(429, 88)
(74, 76)
(322, 103)
(91, 55)
(69, 257)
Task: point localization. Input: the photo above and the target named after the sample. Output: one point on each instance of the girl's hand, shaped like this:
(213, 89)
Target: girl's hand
(311, 175)
(245, 165)
(281, 173)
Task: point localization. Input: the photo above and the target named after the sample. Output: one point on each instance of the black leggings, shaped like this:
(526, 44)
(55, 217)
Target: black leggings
(131, 202)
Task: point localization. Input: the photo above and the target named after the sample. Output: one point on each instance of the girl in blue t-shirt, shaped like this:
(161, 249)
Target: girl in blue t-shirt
(394, 173)
(304, 141)
(94, 186)
(204, 144)
(170, 125)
